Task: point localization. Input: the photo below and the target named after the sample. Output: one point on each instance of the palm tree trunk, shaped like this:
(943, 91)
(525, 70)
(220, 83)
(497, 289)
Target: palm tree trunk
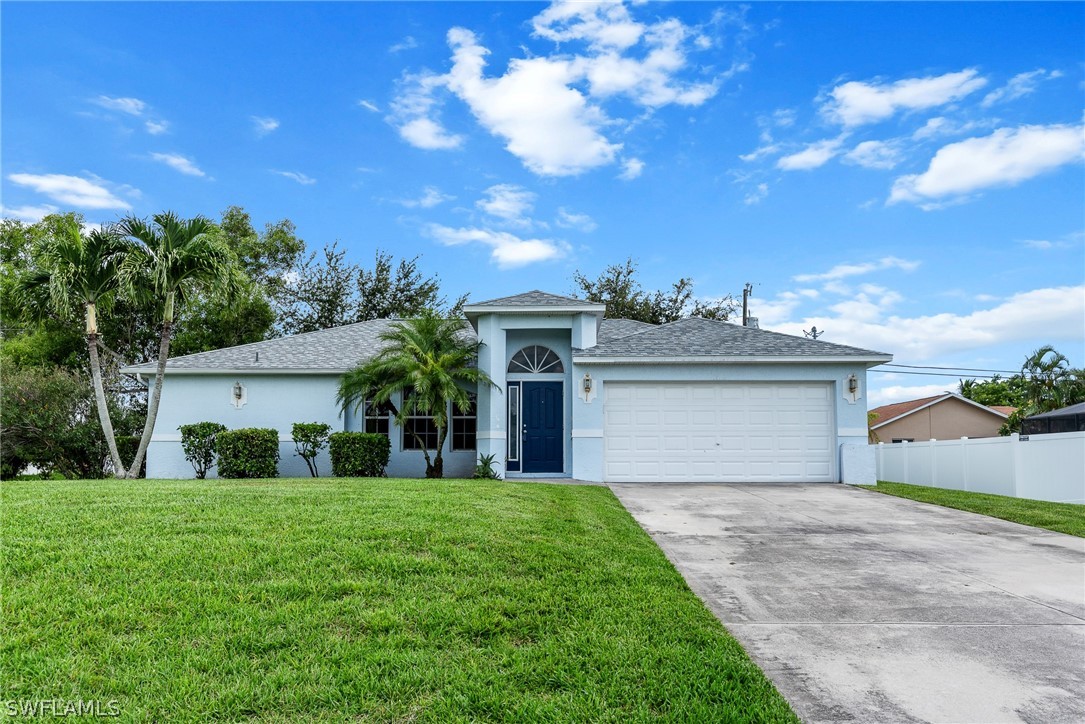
(99, 399)
(156, 392)
(437, 470)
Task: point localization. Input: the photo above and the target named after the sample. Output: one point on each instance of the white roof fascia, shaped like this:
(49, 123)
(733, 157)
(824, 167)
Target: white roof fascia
(705, 359)
(234, 371)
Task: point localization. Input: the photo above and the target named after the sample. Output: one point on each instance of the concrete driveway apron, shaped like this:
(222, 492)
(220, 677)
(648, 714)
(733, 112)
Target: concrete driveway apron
(868, 608)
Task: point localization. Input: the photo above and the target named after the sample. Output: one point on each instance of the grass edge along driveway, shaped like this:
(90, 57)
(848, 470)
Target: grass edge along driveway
(1066, 518)
(377, 600)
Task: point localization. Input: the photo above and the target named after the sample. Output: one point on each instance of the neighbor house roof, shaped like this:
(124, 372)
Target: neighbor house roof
(1077, 409)
(710, 340)
(891, 413)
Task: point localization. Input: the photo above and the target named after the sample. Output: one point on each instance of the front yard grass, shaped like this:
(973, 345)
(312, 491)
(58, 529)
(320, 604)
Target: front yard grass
(335, 599)
(1059, 517)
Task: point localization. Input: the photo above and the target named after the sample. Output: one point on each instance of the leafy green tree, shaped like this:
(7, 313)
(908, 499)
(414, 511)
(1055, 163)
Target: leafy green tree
(327, 291)
(309, 439)
(625, 297)
(47, 420)
(173, 257)
(432, 363)
(1007, 391)
(266, 257)
(77, 270)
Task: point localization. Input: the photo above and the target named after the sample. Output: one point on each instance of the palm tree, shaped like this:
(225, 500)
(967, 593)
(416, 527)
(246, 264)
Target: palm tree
(433, 363)
(172, 256)
(77, 269)
(1046, 370)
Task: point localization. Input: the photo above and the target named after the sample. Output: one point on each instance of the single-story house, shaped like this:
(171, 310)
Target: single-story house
(1065, 419)
(577, 395)
(948, 416)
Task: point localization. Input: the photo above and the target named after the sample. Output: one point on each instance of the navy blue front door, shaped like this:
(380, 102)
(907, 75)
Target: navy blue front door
(544, 428)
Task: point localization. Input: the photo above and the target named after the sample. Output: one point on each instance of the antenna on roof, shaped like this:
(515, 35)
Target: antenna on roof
(747, 292)
(813, 332)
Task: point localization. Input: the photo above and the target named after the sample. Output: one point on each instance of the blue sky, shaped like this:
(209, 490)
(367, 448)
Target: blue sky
(906, 177)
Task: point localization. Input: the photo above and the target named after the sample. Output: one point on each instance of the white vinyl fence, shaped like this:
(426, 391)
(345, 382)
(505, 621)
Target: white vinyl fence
(1041, 467)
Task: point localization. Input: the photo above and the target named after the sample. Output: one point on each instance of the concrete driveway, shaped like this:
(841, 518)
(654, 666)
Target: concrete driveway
(867, 608)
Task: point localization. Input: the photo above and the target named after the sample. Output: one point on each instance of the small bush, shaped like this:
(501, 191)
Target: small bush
(309, 439)
(359, 454)
(128, 446)
(198, 442)
(251, 452)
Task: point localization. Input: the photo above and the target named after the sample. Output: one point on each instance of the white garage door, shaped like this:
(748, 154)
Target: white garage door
(718, 432)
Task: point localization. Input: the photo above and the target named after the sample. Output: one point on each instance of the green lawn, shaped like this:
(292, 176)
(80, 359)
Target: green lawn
(1059, 517)
(334, 599)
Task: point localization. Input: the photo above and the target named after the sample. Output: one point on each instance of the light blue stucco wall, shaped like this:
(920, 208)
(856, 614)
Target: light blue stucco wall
(274, 401)
(587, 432)
(505, 335)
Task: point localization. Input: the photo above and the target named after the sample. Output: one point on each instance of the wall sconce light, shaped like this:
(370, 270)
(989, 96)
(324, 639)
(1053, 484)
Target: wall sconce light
(587, 384)
(853, 384)
(238, 392)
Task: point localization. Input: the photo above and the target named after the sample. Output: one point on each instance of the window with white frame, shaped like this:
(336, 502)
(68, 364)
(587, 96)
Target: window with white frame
(376, 418)
(465, 425)
(535, 359)
(418, 430)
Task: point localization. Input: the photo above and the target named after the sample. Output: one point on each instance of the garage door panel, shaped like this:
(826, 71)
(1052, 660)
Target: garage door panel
(718, 432)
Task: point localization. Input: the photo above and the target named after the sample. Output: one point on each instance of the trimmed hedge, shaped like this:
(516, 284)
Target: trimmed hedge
(251, 452)
(359, 454)
(198, 442)
(127, 446)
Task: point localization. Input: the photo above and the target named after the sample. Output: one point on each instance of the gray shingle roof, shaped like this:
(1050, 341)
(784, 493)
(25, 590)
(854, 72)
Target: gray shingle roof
(534, 298)
(708, 338)
(612, 329)
(334, 350)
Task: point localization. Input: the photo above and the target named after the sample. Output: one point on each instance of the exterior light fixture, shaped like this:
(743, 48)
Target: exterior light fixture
(587, 384)
(238, 392)
(853, 384)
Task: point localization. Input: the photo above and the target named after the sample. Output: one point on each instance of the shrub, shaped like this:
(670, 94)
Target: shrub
(309, 439)
(484, 468)
(128, 445)
(359, 454)
(251, 452)
(198, 442)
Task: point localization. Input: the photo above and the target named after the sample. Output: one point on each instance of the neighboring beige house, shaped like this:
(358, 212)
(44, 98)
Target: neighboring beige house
(942, 417)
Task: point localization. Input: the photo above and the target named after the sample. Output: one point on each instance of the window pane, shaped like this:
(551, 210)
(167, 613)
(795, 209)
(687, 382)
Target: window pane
(514, 422)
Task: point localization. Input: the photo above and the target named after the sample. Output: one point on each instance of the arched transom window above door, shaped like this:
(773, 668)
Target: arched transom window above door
(535, 359)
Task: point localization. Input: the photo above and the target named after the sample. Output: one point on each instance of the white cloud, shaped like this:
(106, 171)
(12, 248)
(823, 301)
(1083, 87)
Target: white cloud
(1019, 86)
(569, 220)
(1005, 158)
(507, 250)
(548, 108)
(369, 106)
(71, 190)
(856, 103)
(131, 106)
(1058, 313)
(156, 128)
(508, 202)
(431, 196)
(842, 271)
(178, 163)
(757, 195)
(296, 176)
(29, 214)
(264, 125)
(631, 169)
(813, 156)
(874, 154)
(408, 43)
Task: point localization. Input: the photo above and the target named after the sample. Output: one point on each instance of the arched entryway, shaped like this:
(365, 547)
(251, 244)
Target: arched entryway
(536, 411)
